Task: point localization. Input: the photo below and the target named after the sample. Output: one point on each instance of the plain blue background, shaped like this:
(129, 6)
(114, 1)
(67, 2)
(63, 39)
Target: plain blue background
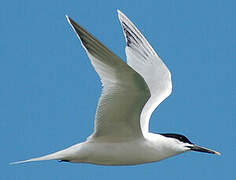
(49, 90)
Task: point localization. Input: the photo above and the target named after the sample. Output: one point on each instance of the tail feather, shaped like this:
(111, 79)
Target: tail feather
(60, 155)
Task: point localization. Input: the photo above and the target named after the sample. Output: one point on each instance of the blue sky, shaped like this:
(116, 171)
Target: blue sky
(49, 90)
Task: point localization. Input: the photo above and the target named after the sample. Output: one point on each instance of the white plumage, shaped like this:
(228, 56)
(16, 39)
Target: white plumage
(131, 92)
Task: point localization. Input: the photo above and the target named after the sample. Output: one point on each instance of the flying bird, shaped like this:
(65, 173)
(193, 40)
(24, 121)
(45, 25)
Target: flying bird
(131, 92)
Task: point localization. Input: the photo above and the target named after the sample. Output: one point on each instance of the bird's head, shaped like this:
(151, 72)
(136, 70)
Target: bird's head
(182, 144)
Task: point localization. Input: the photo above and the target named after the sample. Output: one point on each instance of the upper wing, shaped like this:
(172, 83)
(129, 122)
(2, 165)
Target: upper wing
(143, 59)
(124, 93)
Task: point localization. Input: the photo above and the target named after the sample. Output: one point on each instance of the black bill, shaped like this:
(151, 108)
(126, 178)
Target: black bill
(202, 149)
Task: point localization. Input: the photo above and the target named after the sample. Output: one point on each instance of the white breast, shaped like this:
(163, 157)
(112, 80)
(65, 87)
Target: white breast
(152, 148)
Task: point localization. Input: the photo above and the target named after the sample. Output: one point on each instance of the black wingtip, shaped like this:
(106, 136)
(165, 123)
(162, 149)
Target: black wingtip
(77, 28)
(71, 21)
(67, 17)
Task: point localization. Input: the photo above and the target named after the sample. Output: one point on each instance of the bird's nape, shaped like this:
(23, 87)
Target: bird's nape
(179, 137)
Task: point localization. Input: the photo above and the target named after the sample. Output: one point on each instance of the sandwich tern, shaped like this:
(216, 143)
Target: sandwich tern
(131, 92)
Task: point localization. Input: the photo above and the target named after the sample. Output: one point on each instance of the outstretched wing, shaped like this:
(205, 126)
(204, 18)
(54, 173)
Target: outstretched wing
(124, 93)
(143, 59)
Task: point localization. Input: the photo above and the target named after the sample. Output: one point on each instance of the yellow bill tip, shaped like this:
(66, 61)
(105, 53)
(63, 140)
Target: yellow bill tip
(217, 153)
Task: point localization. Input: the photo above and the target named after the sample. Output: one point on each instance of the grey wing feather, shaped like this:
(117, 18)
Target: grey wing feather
(124, 93)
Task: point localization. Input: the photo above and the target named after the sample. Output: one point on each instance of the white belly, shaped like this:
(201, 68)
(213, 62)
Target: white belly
(118, 153)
